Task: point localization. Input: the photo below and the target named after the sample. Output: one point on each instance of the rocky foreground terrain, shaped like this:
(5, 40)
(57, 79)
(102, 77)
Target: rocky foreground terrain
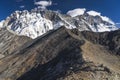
(61, 54)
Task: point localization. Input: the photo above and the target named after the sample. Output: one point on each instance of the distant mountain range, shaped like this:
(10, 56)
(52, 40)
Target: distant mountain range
(37, 21)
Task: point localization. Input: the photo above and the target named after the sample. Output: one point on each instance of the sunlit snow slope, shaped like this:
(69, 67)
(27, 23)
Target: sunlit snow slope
(37, 22)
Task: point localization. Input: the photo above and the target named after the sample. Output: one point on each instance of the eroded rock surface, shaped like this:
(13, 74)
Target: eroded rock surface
(63, 54)
(10, 42)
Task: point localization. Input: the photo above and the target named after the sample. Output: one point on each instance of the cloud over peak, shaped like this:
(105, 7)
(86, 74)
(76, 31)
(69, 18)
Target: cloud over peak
(76, 12)
(94, 13)
(22, 6)
(43, 4)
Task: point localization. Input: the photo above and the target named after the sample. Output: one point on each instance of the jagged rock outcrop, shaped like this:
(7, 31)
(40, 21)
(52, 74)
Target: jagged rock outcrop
(62, 54)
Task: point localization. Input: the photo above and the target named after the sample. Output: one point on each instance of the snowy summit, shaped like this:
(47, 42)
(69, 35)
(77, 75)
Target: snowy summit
(43, 4)
(38, 21)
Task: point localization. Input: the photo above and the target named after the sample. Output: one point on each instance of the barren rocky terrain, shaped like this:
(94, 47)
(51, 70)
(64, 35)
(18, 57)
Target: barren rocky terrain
(61, 54)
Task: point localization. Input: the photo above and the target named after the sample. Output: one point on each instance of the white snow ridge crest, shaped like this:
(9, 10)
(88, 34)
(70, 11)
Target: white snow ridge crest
(37, 22)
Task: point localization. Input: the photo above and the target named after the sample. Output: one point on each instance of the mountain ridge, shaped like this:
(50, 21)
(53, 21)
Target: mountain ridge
(36, 22)
(47, 45)
(61, 54)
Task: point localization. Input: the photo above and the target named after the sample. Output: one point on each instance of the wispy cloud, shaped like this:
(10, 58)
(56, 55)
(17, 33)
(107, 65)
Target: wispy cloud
(117, 23)
(76, 12)
(22, 6)
(43, 4)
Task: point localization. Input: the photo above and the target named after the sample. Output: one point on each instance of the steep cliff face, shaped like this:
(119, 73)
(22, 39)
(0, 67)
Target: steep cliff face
(111, 40)
(62, 54)
(10, 42)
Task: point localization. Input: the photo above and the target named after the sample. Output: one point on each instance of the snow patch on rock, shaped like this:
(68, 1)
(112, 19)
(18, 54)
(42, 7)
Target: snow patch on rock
(104, 18)
(1, 24)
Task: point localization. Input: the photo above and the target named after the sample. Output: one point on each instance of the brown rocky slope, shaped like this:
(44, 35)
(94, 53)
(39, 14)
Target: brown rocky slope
(10, 42)
(64, 54)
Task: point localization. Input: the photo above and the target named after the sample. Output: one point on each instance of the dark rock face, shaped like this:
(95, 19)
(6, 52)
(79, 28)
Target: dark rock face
(62, 54)
(111, 40)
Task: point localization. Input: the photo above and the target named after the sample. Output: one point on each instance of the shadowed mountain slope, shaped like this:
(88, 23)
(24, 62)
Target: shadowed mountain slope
(63, 54)
(10, 42)
(111, 40)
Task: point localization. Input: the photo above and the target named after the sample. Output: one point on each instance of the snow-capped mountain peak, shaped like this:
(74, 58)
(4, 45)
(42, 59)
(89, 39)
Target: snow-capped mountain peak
(30, 24)
(104, 18)
(36, 22)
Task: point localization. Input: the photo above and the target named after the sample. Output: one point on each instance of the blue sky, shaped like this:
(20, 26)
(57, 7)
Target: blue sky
(110, 8)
